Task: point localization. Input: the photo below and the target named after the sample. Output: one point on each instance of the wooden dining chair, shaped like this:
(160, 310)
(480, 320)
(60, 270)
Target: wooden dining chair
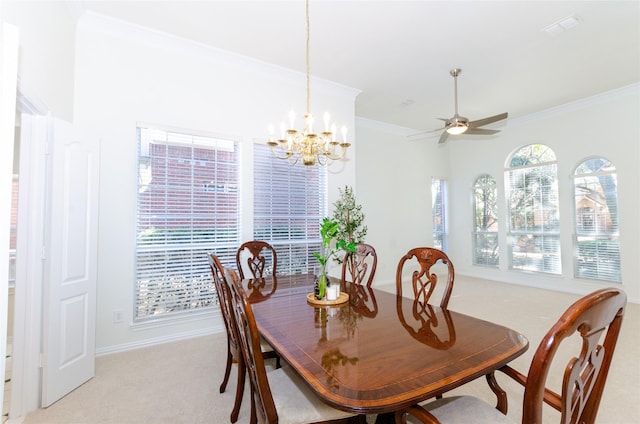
(259, 258)
(423, 261)
(360, 267)
(595, 320)
(234, 353)
(279, 396)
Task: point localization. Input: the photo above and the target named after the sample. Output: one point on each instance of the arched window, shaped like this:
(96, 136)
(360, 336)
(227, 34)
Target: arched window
(485, 240)
(534, 221)
(596, 246)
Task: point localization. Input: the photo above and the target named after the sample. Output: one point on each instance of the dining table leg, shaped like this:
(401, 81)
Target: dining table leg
(386, 418)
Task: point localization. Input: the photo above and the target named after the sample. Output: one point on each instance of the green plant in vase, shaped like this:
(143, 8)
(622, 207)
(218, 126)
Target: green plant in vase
(329, 230)
(348, 213)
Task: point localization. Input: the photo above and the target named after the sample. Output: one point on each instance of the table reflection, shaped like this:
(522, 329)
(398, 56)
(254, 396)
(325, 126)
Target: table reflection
(258, 290)
(331, 361)
(363, 300)
(430, 325)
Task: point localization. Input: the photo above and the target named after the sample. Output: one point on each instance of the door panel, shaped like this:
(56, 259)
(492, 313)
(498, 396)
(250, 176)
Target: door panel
(71, 270)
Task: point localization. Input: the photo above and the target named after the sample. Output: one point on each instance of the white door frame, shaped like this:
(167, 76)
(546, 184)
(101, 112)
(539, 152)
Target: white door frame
(26, 380)
(9, 36)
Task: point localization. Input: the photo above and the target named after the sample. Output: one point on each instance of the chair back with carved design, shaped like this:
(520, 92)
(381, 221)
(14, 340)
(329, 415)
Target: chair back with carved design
(428, 266)
(217, 271)
(360, 267)
(263, 408)
(596, 319)
(234, 352)
(258, 258)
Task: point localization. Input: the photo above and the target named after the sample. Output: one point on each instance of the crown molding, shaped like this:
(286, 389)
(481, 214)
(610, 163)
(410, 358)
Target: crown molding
(384, 127)
(91, 21)
(597, 99)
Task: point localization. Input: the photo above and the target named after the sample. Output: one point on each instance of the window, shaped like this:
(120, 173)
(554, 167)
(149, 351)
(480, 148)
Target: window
(187, 206)
(13, 230)
(596, 246)
(485, 240)
(534, 221)
(289, 204)
(439, 208)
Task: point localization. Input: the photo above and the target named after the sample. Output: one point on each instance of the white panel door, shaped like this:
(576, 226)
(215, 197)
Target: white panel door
(71, 263)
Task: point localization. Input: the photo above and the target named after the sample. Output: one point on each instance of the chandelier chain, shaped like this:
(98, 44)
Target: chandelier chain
(307, 58)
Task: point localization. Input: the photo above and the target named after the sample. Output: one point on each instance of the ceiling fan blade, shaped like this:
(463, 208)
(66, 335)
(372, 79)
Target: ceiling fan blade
(443, 137)
(489, 120)
(481, 131)
(424, 133)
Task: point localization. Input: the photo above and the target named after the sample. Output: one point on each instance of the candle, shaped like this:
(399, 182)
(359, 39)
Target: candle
(271, 132)
(332, 292)
(292, 117)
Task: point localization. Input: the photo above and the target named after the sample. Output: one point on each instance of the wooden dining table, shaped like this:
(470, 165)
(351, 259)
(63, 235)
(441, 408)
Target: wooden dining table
(377, 352)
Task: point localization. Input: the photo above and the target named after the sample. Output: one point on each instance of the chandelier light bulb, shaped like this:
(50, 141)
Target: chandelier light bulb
(327, 121)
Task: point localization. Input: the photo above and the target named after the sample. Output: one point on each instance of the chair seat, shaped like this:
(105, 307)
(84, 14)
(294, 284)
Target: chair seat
(296, 403)
(465, 410)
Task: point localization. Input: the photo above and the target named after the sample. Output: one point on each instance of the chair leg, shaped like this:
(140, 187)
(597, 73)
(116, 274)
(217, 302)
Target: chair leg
(253, 418)
(239, 392)
(227, 371)
(502, 401)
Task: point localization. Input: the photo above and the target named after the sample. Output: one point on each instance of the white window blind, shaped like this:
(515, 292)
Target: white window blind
(485, 235)
(534, 221)
(596, 245)
(439, 214)
(289, 204)
(188, 205)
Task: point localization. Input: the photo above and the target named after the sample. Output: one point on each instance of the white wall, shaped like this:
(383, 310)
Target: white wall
(47, 43)
(393, 183)
(399, 217)
(125, 75)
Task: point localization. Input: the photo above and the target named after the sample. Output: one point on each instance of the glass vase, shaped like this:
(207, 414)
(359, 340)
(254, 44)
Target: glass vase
(321, 283)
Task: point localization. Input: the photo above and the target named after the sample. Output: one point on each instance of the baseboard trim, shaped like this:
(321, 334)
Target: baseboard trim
(158, 340)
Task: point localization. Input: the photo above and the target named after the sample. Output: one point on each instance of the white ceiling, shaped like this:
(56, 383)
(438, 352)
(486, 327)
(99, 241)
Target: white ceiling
(399, 53)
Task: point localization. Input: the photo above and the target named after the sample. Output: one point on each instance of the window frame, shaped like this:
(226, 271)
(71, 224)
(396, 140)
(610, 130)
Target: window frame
(538, 249)
(295, 249)
(478, 231)
(191, 247)
(441, 229)
(600, 244)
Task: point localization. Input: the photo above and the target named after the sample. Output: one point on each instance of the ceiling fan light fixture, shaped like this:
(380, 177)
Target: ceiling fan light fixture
(457, 128)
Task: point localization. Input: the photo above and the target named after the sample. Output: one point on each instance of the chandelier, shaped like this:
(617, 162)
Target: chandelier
(308, 146)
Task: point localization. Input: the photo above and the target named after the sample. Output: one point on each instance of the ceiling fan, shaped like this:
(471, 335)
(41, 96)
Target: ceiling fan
(459, 124)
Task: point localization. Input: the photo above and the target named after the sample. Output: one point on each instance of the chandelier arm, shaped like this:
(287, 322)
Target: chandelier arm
(287, 154)
(333, 156)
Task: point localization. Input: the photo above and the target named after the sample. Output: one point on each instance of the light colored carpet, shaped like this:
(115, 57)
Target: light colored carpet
(178, 382)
